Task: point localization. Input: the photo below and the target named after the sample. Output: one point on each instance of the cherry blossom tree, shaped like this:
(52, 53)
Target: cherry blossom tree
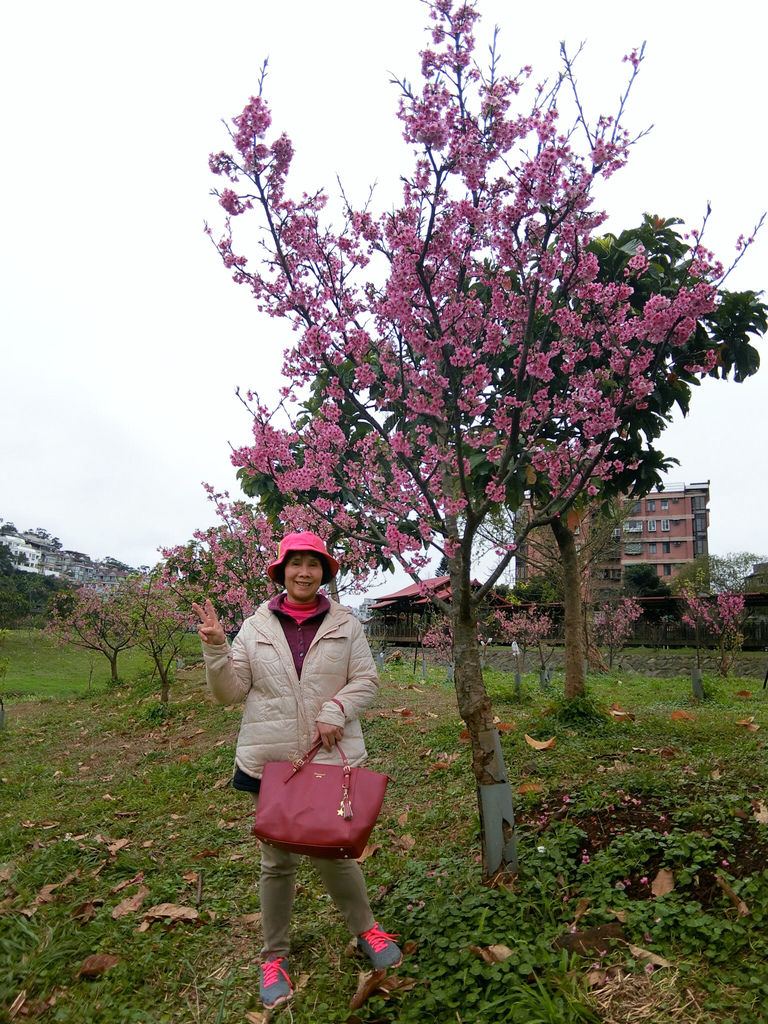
(96, 620)
(720, 616)
(161, 625)
(527, 629)
(465, 347)
(613, 624)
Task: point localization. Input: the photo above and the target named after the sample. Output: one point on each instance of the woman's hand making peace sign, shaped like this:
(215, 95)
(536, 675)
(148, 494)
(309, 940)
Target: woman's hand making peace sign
(210, 629)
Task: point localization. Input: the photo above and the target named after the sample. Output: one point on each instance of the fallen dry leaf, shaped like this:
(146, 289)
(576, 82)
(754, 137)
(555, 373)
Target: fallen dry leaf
(402, 819)
(96, 964)
(250, 920)
(119, 844)
(596, 978)
(620, 915)
(664, 882)
(530, 787)
(741, 693)
(170, 912)
(131, 904)
(84, 912)
(760, 812)
(136, 880)
(369, 851)
(581, 908)
(6, 872)
(667, 753)
(256, 1017)
(367, 984)
(46, 894)
(619, 714)
(495, 954)
(682, 716)
(379, 983)
(540, 744)
(645, 954)
(405, 842)
(748, 723)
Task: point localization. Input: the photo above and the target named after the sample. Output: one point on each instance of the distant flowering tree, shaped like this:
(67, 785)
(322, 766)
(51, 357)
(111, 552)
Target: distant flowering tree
(96, 620)
(161, 625)
(527, 629)
(721, 616)
(471, 345)
(439, 639)
(613, 624)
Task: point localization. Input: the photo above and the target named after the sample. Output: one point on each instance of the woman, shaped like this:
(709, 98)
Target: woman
(303, 667)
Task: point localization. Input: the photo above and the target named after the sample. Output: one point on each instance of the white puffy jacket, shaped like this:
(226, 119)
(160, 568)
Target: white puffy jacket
(280, 710)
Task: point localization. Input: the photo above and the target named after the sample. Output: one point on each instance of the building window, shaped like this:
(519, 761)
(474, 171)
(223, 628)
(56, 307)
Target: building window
(616, 535)
(664, 503)
(667, 569)
(635, 508)
(651, 526)
(665, 547)
(665, 525)
(651, 506)
(633, 526)
(652, 548)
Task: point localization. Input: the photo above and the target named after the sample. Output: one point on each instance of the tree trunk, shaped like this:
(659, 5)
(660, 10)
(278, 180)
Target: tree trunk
(574, 649)
(494, 796)
(113, 666)
(165, 683)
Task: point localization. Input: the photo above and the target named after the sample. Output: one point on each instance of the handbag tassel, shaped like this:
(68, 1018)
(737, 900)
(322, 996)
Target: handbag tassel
(346, 803)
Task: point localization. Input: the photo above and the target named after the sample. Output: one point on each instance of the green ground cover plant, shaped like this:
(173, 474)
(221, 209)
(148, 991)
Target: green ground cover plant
(128, 878)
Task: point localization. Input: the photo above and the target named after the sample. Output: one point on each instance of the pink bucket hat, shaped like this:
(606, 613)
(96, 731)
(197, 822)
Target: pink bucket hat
(302, 542)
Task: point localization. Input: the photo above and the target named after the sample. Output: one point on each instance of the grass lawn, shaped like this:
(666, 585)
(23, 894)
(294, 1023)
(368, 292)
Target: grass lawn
(38, 667)
(643, 840)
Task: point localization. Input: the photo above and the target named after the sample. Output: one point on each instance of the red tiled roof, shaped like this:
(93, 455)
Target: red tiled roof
(440, 585)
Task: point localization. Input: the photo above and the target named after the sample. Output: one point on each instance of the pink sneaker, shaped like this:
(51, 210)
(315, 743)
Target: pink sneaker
(379, 948)
(275, 986)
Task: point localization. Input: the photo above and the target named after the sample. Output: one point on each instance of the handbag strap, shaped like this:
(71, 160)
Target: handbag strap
(345, 807)
(307, 756)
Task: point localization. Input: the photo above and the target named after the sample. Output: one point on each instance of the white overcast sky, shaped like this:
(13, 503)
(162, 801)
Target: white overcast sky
(123, 339)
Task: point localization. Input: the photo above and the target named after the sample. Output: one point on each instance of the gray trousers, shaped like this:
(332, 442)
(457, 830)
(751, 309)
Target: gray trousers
(343, 879)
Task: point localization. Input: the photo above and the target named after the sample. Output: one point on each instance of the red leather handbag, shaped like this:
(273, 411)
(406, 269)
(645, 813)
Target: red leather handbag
(323, 810)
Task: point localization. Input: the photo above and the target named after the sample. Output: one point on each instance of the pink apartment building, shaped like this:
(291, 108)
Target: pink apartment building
(667, 529)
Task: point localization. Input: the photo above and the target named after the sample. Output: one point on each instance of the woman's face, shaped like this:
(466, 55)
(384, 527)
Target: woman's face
(303, 576)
